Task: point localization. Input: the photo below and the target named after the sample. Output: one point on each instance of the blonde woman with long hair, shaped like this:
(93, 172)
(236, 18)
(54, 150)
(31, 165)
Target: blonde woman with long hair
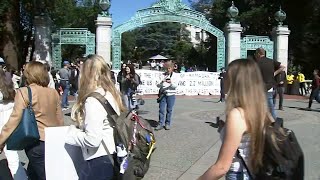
(246, 120)
(94, 127)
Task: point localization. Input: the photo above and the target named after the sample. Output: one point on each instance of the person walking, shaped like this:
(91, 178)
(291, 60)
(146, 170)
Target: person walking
(46, 106)
(268, 68)
(302, 84)
(222, 79)
(315, 88)
(290, 79)
(247, 118)
(65, 74)
(279, 88)
(95, 136)
(167, 95)
(7, 94)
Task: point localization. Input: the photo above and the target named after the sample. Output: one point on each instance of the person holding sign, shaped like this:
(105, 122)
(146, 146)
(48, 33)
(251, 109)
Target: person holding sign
(167, 97)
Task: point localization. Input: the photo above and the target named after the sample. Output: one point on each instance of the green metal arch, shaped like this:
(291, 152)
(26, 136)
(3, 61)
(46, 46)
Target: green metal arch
(177, 12)
(251, 42)
(76, 36)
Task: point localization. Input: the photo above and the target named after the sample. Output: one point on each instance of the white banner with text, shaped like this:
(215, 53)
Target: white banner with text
(189, 83)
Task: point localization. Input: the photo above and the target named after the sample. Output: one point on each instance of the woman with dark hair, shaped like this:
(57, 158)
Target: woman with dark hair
(46, 106)
(7, 94)
(121, 76)
(128, 85)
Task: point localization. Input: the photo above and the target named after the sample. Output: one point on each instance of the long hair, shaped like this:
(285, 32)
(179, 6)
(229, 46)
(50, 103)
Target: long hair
(6, 88)
(132, 70)
(246, 90)
(94, 73)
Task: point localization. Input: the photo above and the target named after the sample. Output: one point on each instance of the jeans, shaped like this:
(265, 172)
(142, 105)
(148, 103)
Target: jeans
(36, 167)
(166, 103)
(65, 87)
(280, 91)
(271, 105)
(16, 168)
(128, 101)
(99, 168)
(303, 88)
(237, 176)
(314, 95)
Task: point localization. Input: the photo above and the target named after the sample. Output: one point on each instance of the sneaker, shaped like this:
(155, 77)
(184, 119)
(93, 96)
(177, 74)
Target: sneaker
(281, 108)
(167, 127)
(158, 128)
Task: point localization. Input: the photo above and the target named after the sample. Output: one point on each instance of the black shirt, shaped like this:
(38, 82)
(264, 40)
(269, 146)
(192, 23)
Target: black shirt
(222, 77)
(268, 67)
(281, 77)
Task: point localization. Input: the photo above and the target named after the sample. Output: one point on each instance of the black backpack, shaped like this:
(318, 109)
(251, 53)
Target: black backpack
(136, 134)
(284, 162)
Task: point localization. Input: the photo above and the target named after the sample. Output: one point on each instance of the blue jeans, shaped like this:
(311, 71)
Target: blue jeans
(36, 167)
(99, 168)
(128, 101)
(271, 105)
(65, 87)
(166, 103)
(237, 176)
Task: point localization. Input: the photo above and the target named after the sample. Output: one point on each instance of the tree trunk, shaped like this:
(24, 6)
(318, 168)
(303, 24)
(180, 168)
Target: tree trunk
(11, 51)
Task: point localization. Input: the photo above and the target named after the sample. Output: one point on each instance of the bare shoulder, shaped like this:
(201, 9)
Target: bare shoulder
(236, 117)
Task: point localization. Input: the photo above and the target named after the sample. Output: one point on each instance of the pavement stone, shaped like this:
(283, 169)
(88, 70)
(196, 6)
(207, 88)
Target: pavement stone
(192, 145)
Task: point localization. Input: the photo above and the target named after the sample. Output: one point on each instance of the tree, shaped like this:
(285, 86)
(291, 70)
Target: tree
(9, 14)
(168, 39)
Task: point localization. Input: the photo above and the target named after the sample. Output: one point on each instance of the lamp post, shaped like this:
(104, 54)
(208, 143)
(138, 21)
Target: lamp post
(280, 16)
(232, 12)
(105, 6)
(233, 31)
(103, 32)
(281, 39)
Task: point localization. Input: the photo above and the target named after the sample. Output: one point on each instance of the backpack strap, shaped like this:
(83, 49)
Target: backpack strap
(244, 164)
(105, 103)
(107, 106)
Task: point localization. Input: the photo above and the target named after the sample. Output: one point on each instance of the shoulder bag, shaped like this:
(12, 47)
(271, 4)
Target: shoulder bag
(27, 132)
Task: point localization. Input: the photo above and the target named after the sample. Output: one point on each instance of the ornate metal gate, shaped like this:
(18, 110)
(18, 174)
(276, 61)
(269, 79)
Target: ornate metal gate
(167, 11)
(253, 42)
(76, 36)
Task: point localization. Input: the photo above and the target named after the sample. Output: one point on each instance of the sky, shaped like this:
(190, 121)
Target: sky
(123, 10)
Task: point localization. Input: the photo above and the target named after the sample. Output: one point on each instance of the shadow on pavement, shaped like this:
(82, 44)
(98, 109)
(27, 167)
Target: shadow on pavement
(152, 123)
(303, 109)
(212, 124)
(141, 112)
(4, 170)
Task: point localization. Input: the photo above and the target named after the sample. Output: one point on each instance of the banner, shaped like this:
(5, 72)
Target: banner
(189, 83)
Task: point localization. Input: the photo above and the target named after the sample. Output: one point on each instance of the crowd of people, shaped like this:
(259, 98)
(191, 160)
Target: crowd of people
(250, 86)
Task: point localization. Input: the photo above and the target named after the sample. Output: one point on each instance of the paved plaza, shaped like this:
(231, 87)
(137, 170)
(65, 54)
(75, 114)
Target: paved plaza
(192, 145)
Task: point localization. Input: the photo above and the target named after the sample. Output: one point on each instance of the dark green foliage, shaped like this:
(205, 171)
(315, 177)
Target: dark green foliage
(168, 39)
(257, 18)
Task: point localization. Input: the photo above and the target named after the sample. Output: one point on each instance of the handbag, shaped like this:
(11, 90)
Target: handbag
(27, 132)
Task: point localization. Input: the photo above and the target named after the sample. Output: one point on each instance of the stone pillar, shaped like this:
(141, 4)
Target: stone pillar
(281, 41)
(233, 37)
(42, 41)
(103, 37)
